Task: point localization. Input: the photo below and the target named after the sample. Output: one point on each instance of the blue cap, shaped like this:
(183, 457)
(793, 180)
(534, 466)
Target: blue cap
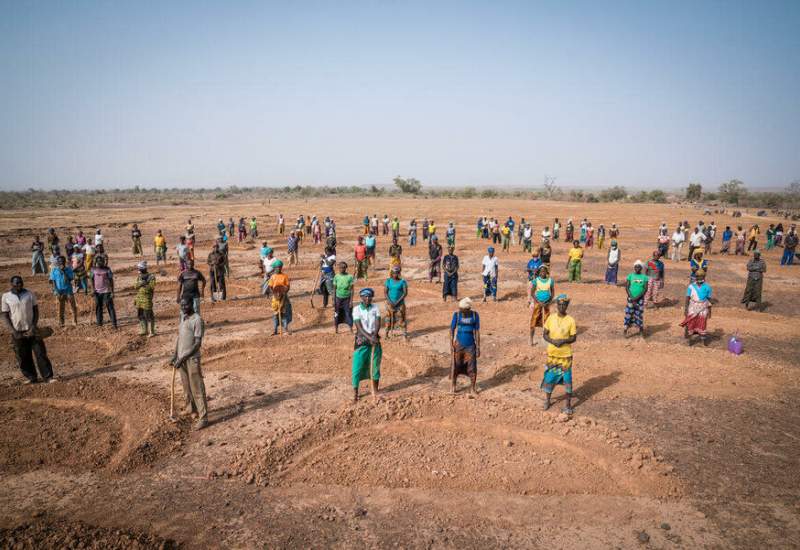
(367, 293)
(491, 249)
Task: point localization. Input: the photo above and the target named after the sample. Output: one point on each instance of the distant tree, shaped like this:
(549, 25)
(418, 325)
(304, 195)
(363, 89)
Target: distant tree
(616, 193)
(658, 196)
(694, 192)
(488, 193)
(550, 187)
(793, 189)
(469, 192)
(408, 185)
(732, 192)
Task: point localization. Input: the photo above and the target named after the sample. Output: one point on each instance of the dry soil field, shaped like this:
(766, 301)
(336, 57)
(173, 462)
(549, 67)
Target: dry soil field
(669, 447)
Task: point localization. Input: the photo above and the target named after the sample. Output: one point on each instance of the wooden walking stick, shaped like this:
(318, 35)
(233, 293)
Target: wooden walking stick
(280, 309)
(314, 288)
(172, 396)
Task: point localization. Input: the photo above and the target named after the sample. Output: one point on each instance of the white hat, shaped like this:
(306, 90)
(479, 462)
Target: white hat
(465, 303)
(638, 262)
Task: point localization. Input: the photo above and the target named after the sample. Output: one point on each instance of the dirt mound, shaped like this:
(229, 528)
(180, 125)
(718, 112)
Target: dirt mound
(97, 424)
(77, 534)
(438, 442)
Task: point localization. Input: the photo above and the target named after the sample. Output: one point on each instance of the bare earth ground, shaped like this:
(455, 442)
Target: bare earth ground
(670, 446)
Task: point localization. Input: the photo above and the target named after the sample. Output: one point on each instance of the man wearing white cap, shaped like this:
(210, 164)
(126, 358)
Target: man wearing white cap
(635, 288)
(489, 273)
(145, 286)
(465, 343)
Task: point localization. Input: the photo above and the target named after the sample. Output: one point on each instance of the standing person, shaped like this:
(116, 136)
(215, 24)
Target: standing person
(677, 244)
(542, 290)
(395, 290)
(98, 237)
(61, 278)
(231, 227)
(395, 228)
(374, 224)
(496, 232)
(560, 332)
(490, 272)
(479, 228)
(789, 246)
(556, 229)
(425, 229)
(770, 236)
(326, 276)
(331, 242)
(534, 264)
(465, 344)
(38, 264)
(727, 235)
(370, 242)
(601, 236)
(663, 244)
(292, 247)
(589, 235)
(191, 286)
(242, 234)
(431, 229)
(362, 261)
(79, 270)
(182, 250)
(614, 257)
(102, 280)
(505, 232)
(435, 256)
(635, 287)
(697, 309)
(367, 350)
(160, 248)
(753, 238)
(741, 237)
(316, 230)
(100, 254)
(145, 287)
(527, 237)
(52, 240)
(222, 244)
(696, 240)
(216, 273)
(395, 254)
(711, 233)
(569, 233)
(21, 315)
(510, 224)
(267, 269)
(412, 233)
(343, 298)
(187, 360)
(281, 306)
(521, 230)
(778, 234)
(221, 227)
(136, 240)
(253, 228)
(385, 225)
(88, 255)
(450, 268)
(450, 233)
(697, 263)
(545, 252)
(582, 238)
(655, 279)
(574, 262)
(613, 233)
(281, 224)
(755, 280)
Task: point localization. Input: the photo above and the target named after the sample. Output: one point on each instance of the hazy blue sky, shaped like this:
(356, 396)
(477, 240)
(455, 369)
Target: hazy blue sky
(114, 94)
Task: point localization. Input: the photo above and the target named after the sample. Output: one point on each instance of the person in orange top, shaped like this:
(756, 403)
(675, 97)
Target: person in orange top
(281, 306)
(362, 262)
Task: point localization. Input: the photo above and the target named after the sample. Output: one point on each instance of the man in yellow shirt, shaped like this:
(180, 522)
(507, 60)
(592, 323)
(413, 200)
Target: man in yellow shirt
(574, 262)
(160, 247)
(560, 332)
(506, 233)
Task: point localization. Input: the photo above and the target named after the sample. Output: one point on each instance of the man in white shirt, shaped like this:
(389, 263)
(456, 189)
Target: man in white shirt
(21, 316)
(98, 238)
(490, 270)
(696, 240)
(677, 244)
(367, 351)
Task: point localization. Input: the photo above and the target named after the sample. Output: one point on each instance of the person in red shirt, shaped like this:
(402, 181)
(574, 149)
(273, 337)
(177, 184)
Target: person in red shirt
(361, 259)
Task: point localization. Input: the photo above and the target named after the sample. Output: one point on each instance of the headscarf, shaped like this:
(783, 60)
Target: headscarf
(142, 266)
(562, 298)
(465, 303)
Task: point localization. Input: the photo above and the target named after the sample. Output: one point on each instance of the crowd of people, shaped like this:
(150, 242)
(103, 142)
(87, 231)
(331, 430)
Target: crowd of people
(81, 264)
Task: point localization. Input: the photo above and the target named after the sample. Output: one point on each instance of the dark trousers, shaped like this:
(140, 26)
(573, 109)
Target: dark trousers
(102, 300)
(343, 311)
(25, 348)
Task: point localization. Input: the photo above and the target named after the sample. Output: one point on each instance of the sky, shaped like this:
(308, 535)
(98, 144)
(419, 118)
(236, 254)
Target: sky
(177, 94)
